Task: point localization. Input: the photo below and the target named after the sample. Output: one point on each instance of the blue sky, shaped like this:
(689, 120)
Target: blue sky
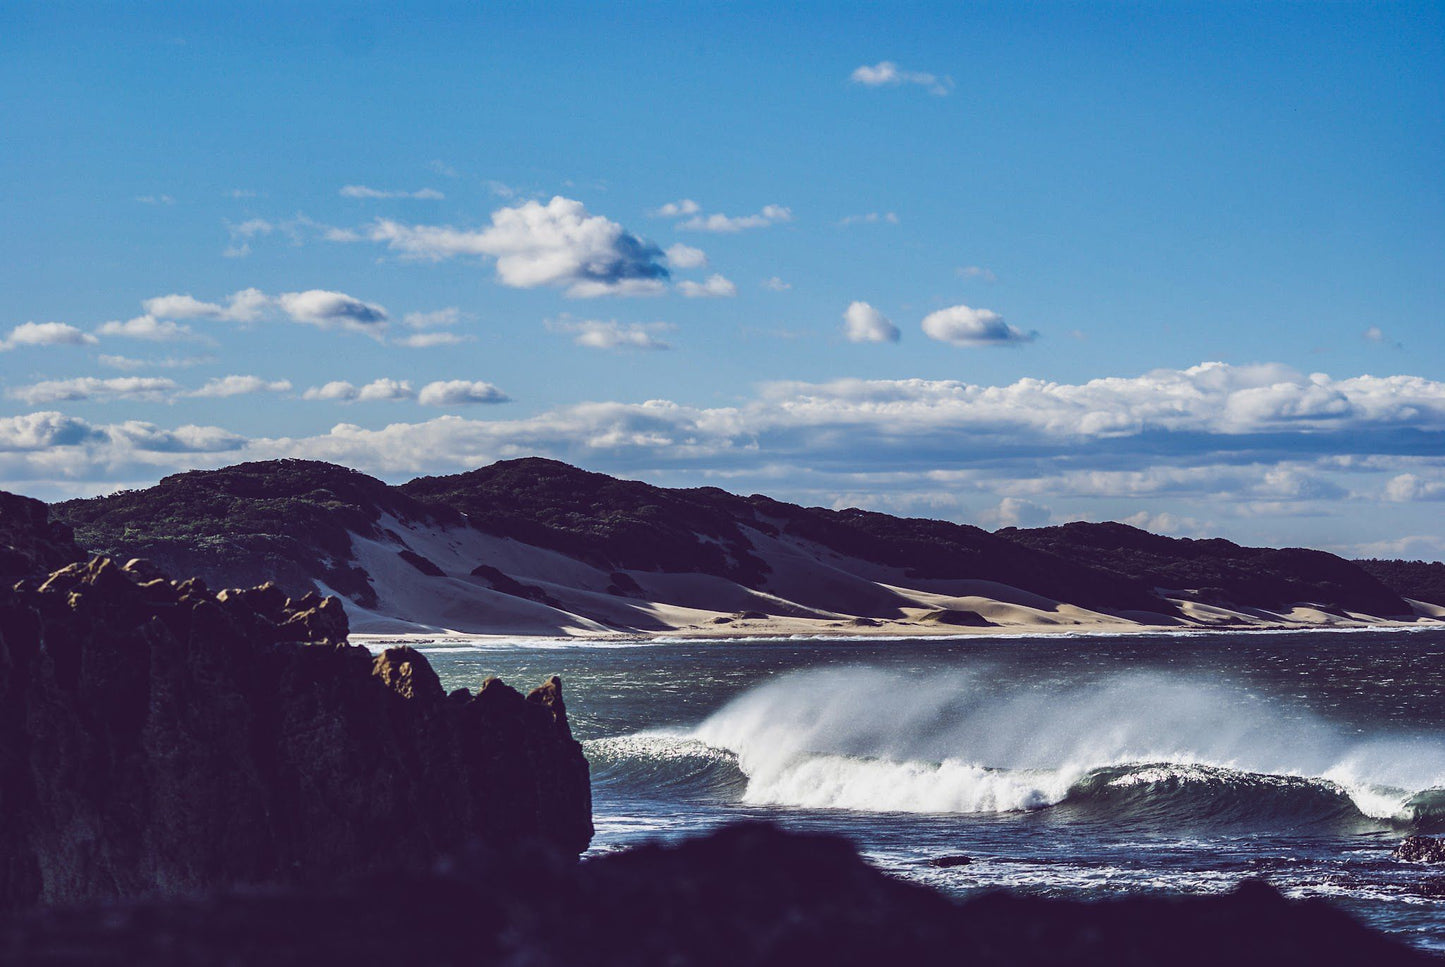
(1171, 263)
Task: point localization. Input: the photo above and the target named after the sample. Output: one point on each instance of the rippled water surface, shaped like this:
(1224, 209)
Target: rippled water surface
(1071, 766)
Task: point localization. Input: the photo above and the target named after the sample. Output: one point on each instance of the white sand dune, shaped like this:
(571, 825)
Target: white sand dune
(808, 590)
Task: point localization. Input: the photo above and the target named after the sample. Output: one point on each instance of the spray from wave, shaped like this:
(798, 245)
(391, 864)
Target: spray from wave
(1145, 746)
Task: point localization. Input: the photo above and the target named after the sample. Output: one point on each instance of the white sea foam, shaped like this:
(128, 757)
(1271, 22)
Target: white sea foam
(865, 739)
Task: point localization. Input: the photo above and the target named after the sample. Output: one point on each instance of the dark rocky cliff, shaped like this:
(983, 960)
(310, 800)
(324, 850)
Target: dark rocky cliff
(156, 738)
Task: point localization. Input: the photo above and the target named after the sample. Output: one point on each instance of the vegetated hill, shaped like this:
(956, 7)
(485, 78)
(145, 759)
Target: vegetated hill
(606, 522)
(1219, 571)
(613, 523)
(536, 543)
(289, 521)
(1420, 580)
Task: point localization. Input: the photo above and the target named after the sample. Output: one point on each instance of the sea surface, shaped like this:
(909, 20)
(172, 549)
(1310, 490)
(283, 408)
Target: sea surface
(1077, 766)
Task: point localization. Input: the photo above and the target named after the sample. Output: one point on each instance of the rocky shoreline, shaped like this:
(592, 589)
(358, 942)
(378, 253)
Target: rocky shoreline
(159, 739)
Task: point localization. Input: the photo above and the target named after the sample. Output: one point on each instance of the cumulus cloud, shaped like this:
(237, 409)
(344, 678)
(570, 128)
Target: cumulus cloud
(870, 218)
(717, 222)
(716, 287)
(83, 388)
(888, 74)
(977, 272)
(432, 340)
(45, 334)
(148, 328)
(557, 244)
(227, 386)
(964, 326)
(686, 257)
(333, 310)
(41, 431)
(1015, 512)
(459, 392)
(863, 323)
(611, 334)
(1409, 487)
(378, 390)
(362, 191)
(247, 305)
(775, 284)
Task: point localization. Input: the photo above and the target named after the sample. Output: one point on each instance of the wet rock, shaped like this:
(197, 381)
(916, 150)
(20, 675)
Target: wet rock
(1420, 849)
(950, 861)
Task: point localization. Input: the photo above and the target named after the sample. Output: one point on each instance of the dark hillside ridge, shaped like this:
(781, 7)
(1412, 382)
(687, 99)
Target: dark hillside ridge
(1420, 580)
(287, 521)
(615, 523)
(30, 542)
(292, 521)
(1218, 570)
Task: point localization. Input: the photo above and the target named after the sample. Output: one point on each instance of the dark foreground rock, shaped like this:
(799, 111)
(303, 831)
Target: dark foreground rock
(1420, 849)
(156, 738)
(749, 894)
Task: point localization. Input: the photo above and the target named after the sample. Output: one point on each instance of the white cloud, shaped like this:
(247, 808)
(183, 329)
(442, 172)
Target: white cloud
(770, 215)
(84, 388)
(42, 431)
(227, 386)
(378, 390)
(361, 191)
(333, 310)
(977, 272)
(155, 199)
(1015, 512)
(148, 328)
(611, 334)
(431, 340)
(776, 284)
(963, 326)
(1170, 524)
(716, 287)
(870, 218)
(676, 209)
(449, 316)
(556, 244)
(501, 189)
(1409, 487)
(442, 168)
(459, 392)
(888, 74)
(45, 334)
(863, 323)
(686, 257)
(247, 305)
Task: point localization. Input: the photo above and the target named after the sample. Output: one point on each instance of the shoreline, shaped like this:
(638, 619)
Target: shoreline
(378, 641)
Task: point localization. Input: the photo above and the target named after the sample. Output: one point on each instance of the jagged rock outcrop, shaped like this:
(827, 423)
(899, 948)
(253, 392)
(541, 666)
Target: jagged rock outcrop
(30, 542)
(745, 895)
(1420, 849)
(156, 738)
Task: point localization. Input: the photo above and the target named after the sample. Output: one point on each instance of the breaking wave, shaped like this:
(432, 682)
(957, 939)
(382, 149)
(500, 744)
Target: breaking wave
(1143, 748)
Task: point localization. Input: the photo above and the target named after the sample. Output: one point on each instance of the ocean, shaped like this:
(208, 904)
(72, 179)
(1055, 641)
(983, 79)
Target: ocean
(1078, 766)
